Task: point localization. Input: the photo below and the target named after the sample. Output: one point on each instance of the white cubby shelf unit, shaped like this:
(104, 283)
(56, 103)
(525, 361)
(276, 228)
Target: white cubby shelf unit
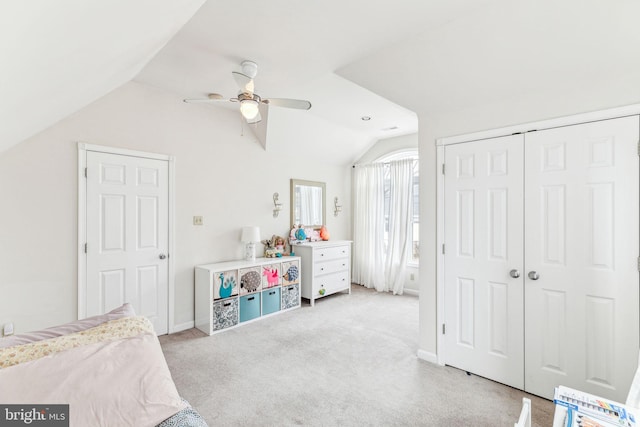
(231, 293)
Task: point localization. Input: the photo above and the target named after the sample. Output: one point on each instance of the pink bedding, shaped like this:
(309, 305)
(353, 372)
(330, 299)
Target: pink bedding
(68, 328)
(123, 381)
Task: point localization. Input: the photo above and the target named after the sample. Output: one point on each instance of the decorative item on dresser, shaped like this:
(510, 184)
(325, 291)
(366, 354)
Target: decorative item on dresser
(326, 268)
(233, 292)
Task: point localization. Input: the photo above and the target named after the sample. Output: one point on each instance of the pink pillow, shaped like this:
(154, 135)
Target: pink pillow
(125, 310)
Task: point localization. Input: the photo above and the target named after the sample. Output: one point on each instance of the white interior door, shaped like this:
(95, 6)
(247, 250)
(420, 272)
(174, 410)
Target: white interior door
(483, 243)
(582, 239)
(127, 235)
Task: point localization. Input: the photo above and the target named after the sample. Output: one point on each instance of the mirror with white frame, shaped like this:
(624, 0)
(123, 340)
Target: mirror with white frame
(308, 205)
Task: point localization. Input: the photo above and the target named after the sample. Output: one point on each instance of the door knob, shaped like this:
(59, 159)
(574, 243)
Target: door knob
(514, 273)
(533, 275)
(162, 256)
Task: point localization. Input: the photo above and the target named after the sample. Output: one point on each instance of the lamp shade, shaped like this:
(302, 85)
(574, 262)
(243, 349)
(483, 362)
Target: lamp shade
(249, 108)
(250, 234)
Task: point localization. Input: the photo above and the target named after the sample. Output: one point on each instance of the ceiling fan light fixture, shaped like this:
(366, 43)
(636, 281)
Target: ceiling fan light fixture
(249, 108)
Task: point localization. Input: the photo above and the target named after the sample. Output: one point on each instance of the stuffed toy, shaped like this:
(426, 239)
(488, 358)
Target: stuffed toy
(301, 234)
(324, 233)
(314, 235)
(275, 248)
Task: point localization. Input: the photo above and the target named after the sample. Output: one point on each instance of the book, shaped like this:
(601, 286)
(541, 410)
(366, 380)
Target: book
(588, 410)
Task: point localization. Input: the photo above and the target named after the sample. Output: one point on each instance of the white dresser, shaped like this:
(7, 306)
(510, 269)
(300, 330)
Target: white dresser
(326, 268)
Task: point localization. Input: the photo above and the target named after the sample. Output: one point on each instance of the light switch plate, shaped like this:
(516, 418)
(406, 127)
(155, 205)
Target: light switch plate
(198, 220)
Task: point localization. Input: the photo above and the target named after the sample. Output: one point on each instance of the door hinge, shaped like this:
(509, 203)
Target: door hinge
(443, 249)
(85, 172)
(85, 248)
(638, 148)
(443, 169)
(443, 329)
(639, 263)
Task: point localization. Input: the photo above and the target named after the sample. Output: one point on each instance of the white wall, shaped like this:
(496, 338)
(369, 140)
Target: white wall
(513, 62)
(227, 178)
(387, 146)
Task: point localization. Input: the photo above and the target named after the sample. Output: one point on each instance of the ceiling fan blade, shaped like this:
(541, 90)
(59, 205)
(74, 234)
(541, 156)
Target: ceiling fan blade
(244, 82)
(212, 97)
(203, 100)
(288, 103)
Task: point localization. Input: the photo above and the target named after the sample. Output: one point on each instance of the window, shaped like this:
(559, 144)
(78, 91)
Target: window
(415, 228)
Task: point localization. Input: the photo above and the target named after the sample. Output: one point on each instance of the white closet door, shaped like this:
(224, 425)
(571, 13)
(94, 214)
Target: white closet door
(581, 222)
(127, 235)
(483, 241)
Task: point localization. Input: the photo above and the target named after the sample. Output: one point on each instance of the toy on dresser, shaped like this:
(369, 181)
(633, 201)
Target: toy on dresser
(324, 233)
(300, 234)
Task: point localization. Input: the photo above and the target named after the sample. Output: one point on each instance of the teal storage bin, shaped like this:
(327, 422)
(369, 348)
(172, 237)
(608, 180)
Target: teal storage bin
(270, 301)
(249, 307)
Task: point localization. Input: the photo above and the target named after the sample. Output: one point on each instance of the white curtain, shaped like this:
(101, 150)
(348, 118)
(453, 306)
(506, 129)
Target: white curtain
(399, 239)
(376, 264)
(368, 229)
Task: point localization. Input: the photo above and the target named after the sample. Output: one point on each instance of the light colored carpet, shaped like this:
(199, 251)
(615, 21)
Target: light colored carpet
(348, 361)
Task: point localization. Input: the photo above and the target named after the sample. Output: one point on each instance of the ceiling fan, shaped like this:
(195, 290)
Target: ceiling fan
(248, 99)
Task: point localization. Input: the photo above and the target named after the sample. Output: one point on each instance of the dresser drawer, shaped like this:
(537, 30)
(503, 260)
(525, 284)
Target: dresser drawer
(332, 283)
(331, 253)
(225, 314)
(328, 267)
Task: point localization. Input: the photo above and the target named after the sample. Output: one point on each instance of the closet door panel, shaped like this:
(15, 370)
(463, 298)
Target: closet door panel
(581, 238)
(483, 241)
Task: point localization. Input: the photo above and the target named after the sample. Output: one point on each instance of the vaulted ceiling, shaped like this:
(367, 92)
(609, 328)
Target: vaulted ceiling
(344, 56)
(58, 57)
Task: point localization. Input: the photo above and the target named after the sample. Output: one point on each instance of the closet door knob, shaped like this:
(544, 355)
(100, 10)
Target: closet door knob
(162, 256)
(514, 273)
(533, 275)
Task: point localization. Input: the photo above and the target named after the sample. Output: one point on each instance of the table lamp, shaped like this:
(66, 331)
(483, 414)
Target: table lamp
(250, 236)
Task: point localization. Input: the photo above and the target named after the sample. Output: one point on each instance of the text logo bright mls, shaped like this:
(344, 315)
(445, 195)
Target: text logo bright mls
(34, 415)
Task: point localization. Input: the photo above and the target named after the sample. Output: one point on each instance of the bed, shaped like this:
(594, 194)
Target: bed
(109, 369)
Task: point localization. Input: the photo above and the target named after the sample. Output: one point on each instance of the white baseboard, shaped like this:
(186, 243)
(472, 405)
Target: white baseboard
(413, 292)
(183, 327)
(428, 356)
